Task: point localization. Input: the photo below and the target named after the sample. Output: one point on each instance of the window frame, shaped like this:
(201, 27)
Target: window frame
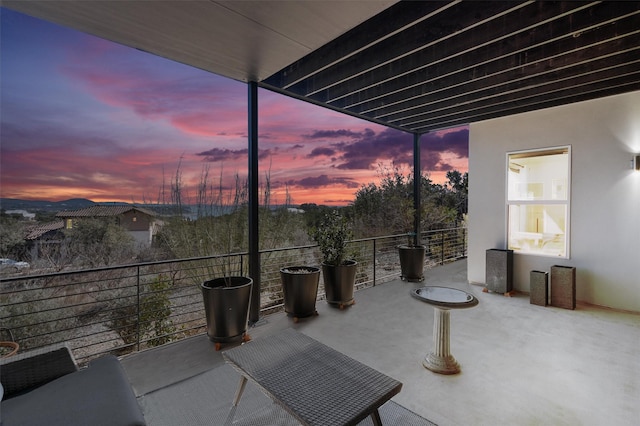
(540, 201)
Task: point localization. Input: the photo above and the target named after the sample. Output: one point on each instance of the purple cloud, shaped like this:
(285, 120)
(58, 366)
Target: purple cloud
(217, 154)
(366, 152)
(368, 148)
(322, 151)
(331, 134)
(456, 142)
(324, 181)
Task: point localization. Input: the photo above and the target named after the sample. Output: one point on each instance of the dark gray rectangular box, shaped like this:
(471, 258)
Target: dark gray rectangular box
(563, 286)
(499, 270)
(539, 288)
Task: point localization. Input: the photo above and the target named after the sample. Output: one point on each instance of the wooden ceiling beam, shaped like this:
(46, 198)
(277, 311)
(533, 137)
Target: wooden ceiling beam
(587, 60)
(424, 36)
(379, 27)
(537, 99)
(491, 62)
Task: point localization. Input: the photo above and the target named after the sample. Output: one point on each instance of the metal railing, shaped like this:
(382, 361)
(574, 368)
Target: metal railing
(127, 308)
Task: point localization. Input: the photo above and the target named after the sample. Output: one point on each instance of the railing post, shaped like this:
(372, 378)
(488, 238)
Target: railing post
(464, 241)
(138, 308)
(442, 248)
(374, 261)
(417, 188)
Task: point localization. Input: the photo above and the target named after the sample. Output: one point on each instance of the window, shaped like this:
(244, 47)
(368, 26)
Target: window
(538, 184)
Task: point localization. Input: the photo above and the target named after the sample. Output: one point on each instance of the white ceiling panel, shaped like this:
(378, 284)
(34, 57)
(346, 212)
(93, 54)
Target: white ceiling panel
(243, 40)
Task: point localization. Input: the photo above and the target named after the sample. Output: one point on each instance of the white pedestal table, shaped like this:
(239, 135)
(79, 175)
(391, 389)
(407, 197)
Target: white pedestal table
(443, 299)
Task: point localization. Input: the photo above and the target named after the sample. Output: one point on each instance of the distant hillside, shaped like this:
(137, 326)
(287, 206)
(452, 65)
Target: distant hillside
(189, 211)
(49, 206)
(81, 203)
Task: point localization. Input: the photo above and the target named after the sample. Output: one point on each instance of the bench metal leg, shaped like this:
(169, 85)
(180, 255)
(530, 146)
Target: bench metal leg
(375, 418)
(241, 385)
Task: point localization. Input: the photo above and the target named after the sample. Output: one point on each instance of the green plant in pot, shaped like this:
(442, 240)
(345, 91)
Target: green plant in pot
(300, 290)
(227, 297)
(411, 254)
(338, 272)
(226, 302)
(412, 260)
(219, 228)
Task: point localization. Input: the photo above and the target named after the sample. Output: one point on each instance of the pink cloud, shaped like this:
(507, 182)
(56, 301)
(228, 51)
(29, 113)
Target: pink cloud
(193, 101)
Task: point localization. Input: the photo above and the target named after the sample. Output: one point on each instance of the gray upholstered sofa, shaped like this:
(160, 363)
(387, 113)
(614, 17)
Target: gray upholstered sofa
(45, 387)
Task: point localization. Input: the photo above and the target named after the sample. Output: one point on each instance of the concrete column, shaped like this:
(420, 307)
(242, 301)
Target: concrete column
(440, 359)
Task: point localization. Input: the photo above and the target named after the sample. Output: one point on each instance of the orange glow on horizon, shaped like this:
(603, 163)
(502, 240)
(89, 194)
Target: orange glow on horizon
(334, 196)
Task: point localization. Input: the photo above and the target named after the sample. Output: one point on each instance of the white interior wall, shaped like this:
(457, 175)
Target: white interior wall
(604, 134)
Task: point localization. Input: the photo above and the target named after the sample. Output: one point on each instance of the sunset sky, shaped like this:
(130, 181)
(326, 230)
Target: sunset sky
(82, 117)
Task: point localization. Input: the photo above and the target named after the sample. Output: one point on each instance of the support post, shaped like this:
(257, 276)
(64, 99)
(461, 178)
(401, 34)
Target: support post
(417, 183)
(254, 253)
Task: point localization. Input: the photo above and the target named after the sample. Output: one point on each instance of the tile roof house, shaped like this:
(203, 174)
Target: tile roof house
(43, 230)
(42, 238)
(139, 222)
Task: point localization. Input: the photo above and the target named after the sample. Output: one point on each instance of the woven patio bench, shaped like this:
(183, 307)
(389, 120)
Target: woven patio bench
(316, 384)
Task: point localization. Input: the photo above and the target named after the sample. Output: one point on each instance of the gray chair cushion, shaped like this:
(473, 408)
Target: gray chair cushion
(97, 395)
(29, 370)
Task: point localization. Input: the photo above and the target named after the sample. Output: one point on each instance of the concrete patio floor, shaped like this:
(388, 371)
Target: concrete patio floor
(522, 364)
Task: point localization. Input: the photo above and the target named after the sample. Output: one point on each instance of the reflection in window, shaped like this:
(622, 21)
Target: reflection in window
(538, 201)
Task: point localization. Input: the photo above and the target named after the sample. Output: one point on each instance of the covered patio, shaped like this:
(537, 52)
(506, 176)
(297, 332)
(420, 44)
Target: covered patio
(420, 67)
(521, 363)
(417, 67)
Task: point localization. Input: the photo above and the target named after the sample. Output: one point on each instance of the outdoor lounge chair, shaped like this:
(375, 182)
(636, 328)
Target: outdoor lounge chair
(46, 387)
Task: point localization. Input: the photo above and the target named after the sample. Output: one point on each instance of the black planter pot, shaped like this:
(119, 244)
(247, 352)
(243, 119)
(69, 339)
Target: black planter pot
(412, 262)
(339, 282)
(226, 305)
(300, 290)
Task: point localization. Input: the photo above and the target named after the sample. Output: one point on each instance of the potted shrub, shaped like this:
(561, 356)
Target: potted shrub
(219, 227)
(411, 254)
(226, 307)
(411, 260)
(338, 272)
(227, 299)
(300, 290)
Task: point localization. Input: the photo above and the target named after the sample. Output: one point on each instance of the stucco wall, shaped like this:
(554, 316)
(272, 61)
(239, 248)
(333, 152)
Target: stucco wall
(605, 194)
(142, 221)
(143, 238)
